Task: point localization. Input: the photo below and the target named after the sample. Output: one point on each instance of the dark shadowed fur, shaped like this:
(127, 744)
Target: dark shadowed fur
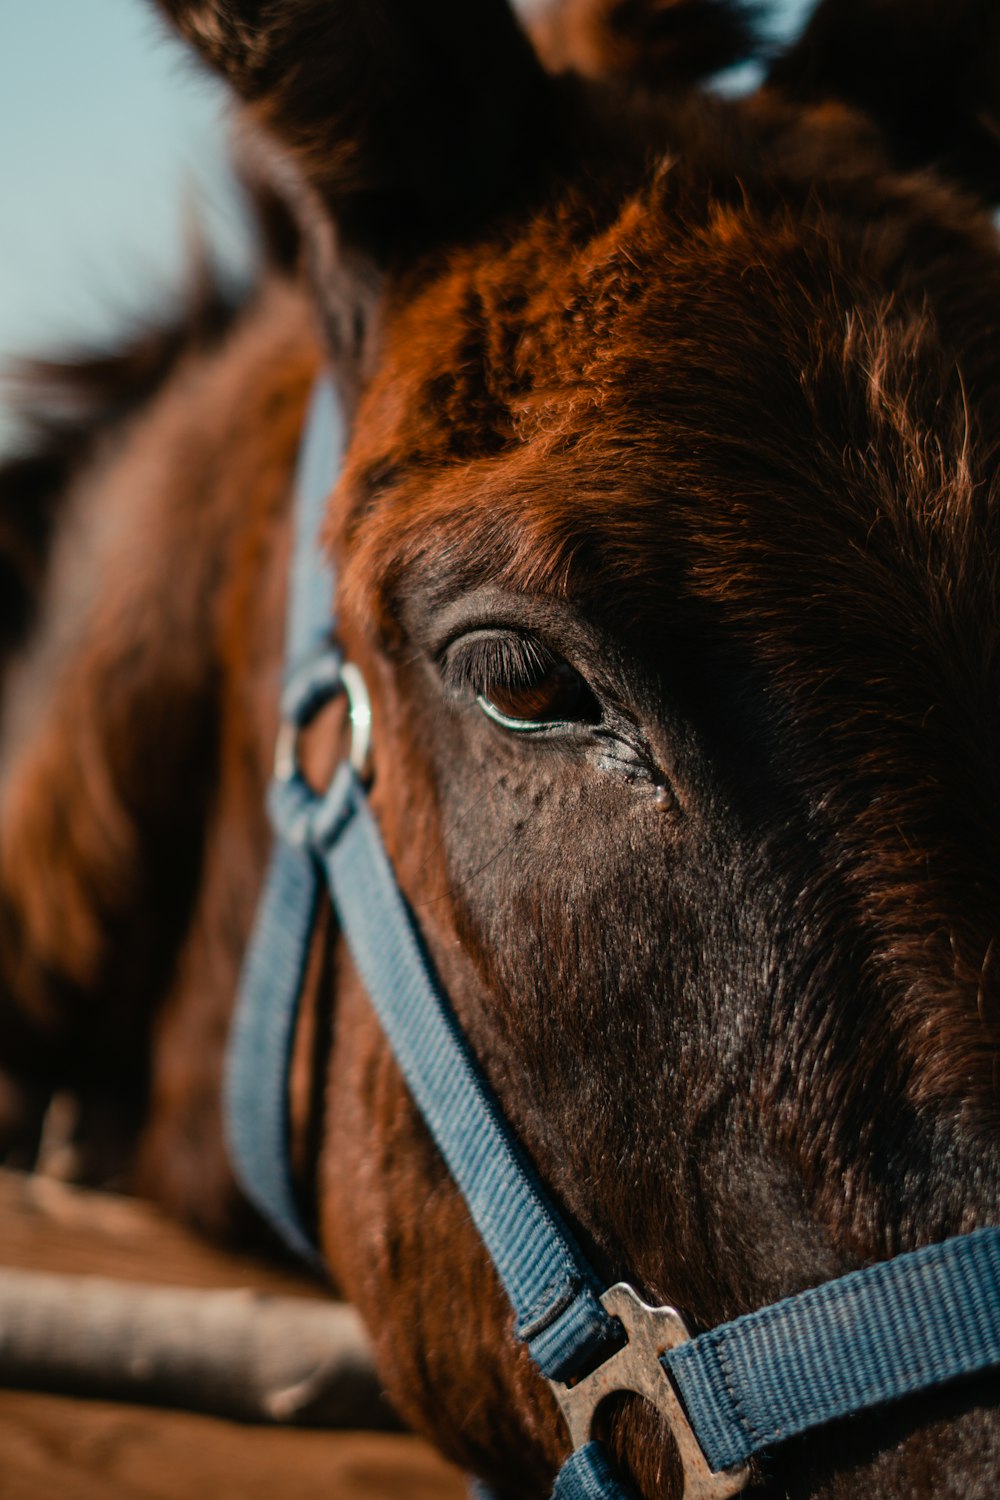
(698, 401)
(933, 85)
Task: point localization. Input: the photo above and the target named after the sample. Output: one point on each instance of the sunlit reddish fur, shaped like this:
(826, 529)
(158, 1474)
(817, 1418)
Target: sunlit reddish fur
(709, 391)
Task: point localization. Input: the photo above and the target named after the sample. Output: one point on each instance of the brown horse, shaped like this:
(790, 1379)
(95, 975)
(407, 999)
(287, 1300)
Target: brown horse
(674, 428)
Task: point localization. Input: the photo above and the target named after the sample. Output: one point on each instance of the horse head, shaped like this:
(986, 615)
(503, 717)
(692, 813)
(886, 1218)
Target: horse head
(666, 542)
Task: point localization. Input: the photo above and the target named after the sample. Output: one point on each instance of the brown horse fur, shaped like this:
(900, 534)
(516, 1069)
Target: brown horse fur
(702, 399)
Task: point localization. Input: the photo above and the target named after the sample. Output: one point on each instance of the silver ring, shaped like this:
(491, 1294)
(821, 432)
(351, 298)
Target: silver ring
(359, 708)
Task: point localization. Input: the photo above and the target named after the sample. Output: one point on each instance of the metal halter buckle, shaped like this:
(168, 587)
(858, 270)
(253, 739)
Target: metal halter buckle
(636, 1367)
(352, 683)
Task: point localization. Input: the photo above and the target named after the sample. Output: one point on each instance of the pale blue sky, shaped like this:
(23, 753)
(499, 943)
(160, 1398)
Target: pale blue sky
(106, 130)
(108, 133)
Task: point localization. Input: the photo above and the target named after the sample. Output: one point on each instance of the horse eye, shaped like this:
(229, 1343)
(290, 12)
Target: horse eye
(556, 696)
(517, 682)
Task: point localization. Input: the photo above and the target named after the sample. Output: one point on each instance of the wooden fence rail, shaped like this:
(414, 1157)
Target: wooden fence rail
(242, 1354)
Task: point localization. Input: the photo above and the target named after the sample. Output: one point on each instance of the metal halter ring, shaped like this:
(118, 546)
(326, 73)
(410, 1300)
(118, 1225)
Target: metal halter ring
(637, 1367)
(350, 681)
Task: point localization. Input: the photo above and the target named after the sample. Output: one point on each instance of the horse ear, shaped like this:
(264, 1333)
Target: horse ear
(391, 125)
(927, 72)
(658, 44)
(395, 112)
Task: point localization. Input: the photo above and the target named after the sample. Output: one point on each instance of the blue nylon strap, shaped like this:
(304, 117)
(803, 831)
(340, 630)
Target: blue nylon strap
(260, 1045)
(310, 606)
(588, 1474)
(870, 1337)
(255, 1085)
(551, 1289)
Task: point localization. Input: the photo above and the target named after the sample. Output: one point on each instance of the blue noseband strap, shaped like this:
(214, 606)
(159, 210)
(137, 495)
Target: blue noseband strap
(876, 1335)
(873, 1336)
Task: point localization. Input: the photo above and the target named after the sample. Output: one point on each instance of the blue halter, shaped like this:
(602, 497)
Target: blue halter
(873, 1336)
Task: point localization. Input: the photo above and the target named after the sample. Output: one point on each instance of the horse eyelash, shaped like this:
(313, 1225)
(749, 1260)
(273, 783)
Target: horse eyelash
(484, 661)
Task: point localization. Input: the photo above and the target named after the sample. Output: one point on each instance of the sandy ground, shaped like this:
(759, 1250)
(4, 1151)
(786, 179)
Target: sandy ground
(52, 1448)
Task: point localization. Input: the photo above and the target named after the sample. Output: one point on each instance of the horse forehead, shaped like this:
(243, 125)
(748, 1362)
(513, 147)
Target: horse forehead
(756, 481)
(654, 324)
(574, 291)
